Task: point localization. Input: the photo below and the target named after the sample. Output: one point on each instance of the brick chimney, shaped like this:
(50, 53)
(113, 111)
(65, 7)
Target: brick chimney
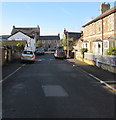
(104, 7)
(58, 34)
(38, 27)
(65, 30)
(13, 27)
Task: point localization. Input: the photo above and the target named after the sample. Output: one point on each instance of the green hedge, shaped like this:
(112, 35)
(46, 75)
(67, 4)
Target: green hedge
(111, 51)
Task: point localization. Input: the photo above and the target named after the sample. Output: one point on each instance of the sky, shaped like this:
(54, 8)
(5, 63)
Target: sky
(52, 17)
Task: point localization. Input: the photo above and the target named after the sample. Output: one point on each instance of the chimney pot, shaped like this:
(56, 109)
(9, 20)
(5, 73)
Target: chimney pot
(104, 7)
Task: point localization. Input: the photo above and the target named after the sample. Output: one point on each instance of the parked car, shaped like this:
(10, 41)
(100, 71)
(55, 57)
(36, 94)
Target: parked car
(51, 49)
(60, 53)
(40, 52)
(27, 56)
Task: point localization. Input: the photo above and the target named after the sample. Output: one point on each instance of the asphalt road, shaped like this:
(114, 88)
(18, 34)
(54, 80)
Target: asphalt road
(53, 88)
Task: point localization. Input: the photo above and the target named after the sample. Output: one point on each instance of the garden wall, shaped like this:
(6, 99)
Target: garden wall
(107, 62)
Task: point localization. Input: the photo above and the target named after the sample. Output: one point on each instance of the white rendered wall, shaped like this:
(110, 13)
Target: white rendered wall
(31, 43)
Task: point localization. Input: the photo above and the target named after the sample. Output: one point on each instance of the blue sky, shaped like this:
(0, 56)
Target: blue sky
(52, 17)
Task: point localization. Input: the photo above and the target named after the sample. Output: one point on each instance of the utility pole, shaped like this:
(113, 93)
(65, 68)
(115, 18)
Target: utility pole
(67, 46)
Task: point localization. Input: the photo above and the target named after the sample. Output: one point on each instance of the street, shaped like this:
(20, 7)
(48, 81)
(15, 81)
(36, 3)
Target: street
(53, 88)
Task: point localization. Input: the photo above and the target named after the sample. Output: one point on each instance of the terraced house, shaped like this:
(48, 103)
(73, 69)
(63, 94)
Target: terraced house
(100, 33)
(50, 41)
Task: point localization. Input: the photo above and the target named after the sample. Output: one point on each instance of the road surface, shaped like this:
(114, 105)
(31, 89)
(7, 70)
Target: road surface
(53, 88)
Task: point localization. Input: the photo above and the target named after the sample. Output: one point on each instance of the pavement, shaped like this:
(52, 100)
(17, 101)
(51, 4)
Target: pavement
(10, 67)
(106, 78)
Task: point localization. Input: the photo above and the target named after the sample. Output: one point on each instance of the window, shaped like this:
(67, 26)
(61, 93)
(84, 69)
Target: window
(111, 23)
(43, 41)
(99, 26)
(91, 30)
(104, 25)
(86, 31)
(85, 44)
(106, 44)
(27, 52)
(49, 41)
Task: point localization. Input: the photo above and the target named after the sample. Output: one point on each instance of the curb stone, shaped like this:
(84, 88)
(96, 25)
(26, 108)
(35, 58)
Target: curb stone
(99, 80)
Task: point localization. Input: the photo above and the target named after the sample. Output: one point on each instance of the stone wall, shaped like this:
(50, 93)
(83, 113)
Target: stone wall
(9, 54)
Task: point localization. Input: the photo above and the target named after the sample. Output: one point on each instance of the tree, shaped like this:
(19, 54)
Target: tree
(39, 44)
(83, 50)
(67, 43)
(18, 44)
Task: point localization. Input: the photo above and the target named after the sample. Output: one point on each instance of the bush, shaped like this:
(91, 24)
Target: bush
(84, 50)
(111, 51)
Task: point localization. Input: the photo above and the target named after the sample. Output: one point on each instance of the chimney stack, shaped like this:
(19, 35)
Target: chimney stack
(65, 30)
(58, 34)
(104, 7)
(13, 27)
(38, 27)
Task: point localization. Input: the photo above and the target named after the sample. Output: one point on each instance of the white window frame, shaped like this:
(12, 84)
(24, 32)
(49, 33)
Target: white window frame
(99, 26)
(85, 44)
(111, 22)
(86, 30)
(43, 41)
(91, 31)
(106, 42)
(49, 41)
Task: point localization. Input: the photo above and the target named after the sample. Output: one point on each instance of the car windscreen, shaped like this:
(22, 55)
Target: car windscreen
(27, 52)
(40, 50)
(60, 50)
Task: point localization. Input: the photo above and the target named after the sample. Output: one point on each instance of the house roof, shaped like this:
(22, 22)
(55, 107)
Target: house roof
(49, 38)
(74, 35)
(27, 30)
(108, 12)
(21, 32)
(4, 36)
(73, 32)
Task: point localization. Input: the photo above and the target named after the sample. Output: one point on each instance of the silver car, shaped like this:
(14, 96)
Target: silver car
(27, 56)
